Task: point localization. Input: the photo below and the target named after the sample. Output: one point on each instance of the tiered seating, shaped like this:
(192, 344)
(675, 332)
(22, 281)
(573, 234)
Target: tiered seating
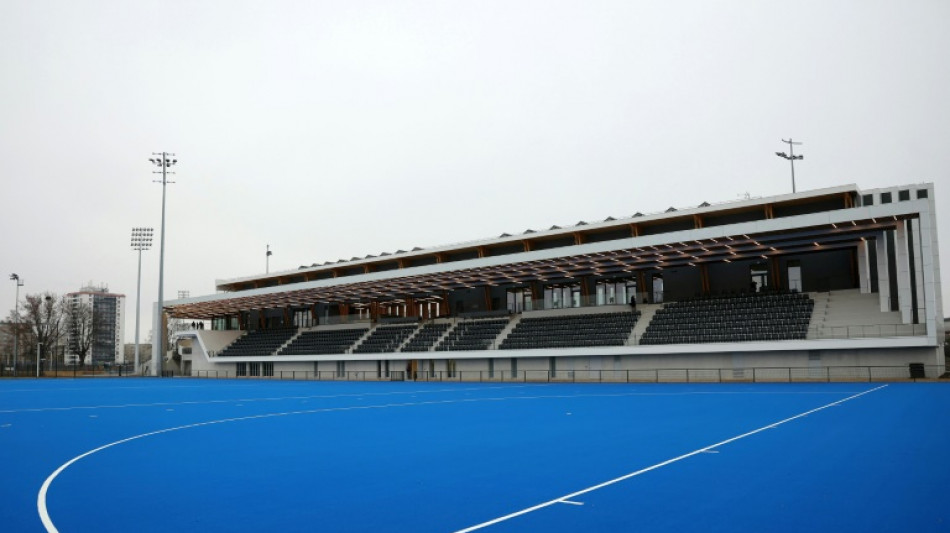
(751, 317)
(569, 331)
(257, 343)
(426, 337)
(385, 339)
(324, 341)
(473, 335)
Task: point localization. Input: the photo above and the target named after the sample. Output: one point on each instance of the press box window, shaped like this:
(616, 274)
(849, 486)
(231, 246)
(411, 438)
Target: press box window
(903, 196)
(921, 193)
(885, 197)
(867, 199)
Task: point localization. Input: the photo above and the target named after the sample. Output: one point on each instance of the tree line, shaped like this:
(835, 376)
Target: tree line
(49, 326)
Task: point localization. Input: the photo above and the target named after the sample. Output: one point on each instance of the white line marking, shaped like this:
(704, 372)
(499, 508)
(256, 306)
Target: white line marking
(571, 503)
(211, 402)
(561, 499)
(44, 489)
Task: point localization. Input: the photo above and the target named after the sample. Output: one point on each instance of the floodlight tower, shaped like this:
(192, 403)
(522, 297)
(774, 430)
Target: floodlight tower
(141, 241)
(165, 162)
(16, 318)
(791, 157)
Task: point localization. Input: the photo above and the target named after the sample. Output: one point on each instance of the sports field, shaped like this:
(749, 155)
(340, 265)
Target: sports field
(185, 455)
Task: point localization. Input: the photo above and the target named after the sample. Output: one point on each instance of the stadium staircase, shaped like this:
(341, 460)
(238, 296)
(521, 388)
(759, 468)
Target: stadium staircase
(851, 313)
(646, 315)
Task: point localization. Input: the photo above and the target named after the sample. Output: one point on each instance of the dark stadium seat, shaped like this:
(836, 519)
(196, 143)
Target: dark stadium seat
(770, 316)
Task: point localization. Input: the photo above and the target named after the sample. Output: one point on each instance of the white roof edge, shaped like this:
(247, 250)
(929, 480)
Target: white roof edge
(563, 231)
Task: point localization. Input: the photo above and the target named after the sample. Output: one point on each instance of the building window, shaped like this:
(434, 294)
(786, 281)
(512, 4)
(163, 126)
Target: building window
(562, 296)
(903, 196)
(616, 292)
(268, 369)
(255, 369)
(885, 197)
(241, 369)
(341, 369)
(922, 193)
(520, 300)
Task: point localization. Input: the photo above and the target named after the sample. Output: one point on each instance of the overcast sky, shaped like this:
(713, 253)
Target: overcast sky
(333, 129)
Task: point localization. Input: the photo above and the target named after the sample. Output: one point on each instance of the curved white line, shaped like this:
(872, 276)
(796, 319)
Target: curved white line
(44, 489)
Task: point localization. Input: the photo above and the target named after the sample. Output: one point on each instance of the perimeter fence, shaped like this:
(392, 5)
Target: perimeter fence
(913, 372)
(70, 371)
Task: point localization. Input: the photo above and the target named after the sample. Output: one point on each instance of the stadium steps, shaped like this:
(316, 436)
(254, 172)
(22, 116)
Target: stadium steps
(504, 333)
(444, 335)
(356, 344)
(818, 314)
(853, 313)
(646, 315)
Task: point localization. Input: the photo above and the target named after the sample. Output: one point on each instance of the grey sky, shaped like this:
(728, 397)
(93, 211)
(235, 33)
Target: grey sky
(343, 128)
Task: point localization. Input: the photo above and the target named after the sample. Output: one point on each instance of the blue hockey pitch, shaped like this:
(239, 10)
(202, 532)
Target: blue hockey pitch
(144, 455)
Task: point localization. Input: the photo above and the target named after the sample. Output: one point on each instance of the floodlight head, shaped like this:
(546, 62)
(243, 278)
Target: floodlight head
(781, 154)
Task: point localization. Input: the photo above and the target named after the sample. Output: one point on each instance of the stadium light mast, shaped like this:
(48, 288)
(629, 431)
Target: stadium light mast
(165, 162)
(791, 157)
(141, 241)
(16, 320)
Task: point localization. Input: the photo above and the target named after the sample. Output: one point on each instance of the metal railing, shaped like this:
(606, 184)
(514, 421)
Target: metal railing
(914, 372)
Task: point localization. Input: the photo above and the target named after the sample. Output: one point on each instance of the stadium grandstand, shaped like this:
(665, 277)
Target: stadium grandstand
(822, 284)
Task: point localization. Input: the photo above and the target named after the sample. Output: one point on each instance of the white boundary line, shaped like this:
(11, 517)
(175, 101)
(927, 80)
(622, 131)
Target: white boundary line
(397, 393)
(41, 497)
(568, 497)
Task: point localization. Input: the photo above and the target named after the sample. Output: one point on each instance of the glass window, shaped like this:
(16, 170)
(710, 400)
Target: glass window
(921, 193)
(903, 196)
(885, 197)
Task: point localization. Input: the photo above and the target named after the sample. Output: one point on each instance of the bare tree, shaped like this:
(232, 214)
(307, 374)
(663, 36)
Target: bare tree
(81, 324)
(43, 319)
(14, 327)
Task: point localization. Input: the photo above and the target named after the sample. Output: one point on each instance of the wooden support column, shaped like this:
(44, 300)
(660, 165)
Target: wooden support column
(704, 278)
(697, 221)
(288, 321)
(527, 245)
(481, 251)
(769, 212)
(439, 258)
(488, 298)
(776, 269)
(262, 318)
(585, 289)
(578, 238)
(641, 285)
(634, 230)
(313, 314)
(848, 200)
(411, 306)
